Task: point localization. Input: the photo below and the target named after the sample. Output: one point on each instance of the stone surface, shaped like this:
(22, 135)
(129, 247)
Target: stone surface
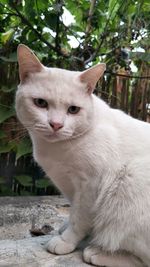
(17, 216)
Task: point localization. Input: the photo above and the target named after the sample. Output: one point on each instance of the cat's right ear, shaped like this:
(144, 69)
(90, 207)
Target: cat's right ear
(28, 62)
(91, 76)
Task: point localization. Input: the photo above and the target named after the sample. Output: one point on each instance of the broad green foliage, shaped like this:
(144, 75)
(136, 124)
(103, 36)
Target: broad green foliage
(42, 183)
(100, 30)
(6, 113)
(24, 180)
(23, 147)
(6, 147)
(26, 185)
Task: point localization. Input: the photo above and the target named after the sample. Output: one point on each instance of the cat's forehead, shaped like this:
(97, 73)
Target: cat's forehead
(61, 73)
(56, 85)
(54, 73)
(61, 81)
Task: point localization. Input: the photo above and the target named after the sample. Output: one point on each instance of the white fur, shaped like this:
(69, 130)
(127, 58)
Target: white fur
(100, 160)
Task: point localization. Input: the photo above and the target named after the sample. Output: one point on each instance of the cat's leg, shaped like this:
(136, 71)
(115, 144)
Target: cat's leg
(140, 248)
(69, 238)
(78, 227)
(63, 227)
(95, 256)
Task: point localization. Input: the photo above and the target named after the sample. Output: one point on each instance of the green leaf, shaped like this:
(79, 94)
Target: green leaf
(23, 148)
(30, 10)
(2, 134)
(4, 1)
(5, 37)
(113, 8)
(131, 9)
(5, 191)
(42, 5)
(140, 55)
(42, 183)
(11, 58)
(4, 148)
(31, 36)
(24, 180)
(6, 113)
(51, 20)
(146, 6)
(6, 89)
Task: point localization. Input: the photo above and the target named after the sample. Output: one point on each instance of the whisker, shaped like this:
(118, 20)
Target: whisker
(13, 133)
(12, 124)
(17, 122)
(8, 123)
(41, 128)
(40, 124)
(81, 133)
(17, 138)
(15, 130)
(42, 131)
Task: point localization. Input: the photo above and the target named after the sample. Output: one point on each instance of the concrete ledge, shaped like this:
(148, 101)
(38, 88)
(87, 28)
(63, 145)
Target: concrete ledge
(31, 252)
(17, 247)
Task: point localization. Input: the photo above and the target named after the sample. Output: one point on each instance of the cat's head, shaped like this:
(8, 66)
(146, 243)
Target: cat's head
(54, 104)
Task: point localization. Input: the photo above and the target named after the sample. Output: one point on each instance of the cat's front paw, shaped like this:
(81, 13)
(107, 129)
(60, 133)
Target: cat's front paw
(59, 246)
(93, 255)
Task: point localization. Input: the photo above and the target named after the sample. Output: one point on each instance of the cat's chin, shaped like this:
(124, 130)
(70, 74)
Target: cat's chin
(55, 138)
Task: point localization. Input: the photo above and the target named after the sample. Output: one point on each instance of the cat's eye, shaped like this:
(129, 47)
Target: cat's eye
(73, 109)
(41, 103)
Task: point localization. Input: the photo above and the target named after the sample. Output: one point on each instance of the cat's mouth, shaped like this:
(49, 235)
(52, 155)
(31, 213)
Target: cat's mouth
(55, 137)
(52, 135)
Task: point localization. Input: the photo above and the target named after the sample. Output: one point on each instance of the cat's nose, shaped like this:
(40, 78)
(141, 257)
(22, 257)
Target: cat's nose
(56, 125)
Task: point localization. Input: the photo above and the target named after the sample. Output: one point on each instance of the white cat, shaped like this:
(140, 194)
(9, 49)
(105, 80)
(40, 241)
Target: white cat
(97, 156)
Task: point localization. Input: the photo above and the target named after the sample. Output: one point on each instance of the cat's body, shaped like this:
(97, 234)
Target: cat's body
(98, 157)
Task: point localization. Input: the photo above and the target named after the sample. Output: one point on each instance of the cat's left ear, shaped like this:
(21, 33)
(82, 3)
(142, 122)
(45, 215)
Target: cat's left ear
(28, 62)
(92, 75)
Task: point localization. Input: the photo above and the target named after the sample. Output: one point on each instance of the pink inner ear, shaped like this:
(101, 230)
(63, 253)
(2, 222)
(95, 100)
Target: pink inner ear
(91, 76)
(25, 69)
(28, 62)
(89, 88)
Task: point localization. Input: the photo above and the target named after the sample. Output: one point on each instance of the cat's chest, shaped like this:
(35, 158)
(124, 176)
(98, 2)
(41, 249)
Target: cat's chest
(65, 160)
(87, 156)
(58, 158)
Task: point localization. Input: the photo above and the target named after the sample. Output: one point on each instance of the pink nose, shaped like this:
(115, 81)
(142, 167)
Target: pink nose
(56, 125)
